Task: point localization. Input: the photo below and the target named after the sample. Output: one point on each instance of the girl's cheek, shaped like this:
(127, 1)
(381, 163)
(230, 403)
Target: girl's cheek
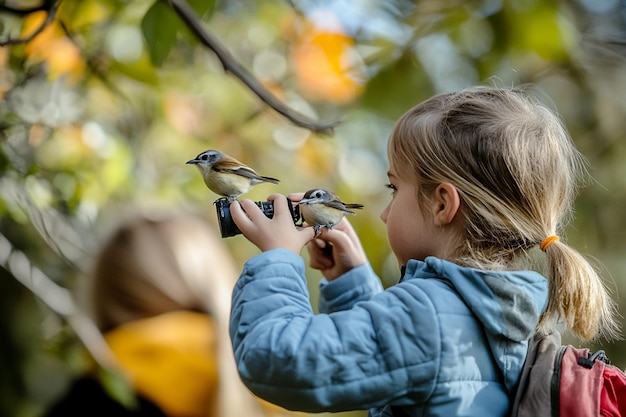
(392, 235)
(395, 244)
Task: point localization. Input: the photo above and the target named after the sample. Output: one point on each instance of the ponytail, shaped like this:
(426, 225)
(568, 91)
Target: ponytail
(577, 295)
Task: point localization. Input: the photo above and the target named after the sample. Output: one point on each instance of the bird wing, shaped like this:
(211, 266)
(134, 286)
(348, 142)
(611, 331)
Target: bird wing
(339, 205)
(237, 168)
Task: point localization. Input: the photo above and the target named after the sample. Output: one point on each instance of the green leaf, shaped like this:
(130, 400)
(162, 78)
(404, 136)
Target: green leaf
(159, 27)
(118, 387)
(202, 7)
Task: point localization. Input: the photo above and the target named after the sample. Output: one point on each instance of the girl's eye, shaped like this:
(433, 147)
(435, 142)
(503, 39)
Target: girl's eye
(391, 187)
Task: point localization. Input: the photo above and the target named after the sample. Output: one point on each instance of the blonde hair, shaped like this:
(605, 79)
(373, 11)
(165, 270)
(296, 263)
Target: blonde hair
(517, 173)
(154, 264)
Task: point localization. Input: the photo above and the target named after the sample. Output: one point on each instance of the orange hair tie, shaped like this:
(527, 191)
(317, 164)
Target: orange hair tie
(545, 244)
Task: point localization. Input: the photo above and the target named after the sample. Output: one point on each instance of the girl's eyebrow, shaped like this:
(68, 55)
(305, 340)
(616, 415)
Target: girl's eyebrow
(390, 174)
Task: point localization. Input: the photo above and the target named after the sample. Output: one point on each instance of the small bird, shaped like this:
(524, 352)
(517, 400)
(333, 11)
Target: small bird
(322, 208)
(227, 176)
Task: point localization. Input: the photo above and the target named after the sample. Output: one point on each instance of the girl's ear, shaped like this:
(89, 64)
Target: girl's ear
(446, 203)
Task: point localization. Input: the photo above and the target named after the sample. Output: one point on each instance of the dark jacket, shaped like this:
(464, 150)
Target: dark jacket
(87, 397)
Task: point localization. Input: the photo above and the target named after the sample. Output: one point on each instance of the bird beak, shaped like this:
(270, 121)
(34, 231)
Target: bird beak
(305, 201)
(192, 161)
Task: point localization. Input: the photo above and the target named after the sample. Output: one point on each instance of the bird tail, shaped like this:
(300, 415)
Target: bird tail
(269, 179)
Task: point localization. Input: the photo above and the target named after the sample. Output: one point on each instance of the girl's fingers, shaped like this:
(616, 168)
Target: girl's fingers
(318, 254)
(252, 211)
(295, 197)
(280, 204)
(239, 216)
(337, 238)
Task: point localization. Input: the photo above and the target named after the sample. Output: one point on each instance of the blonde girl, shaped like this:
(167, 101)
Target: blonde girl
(160, 294)
(516, 172)
(480, 178)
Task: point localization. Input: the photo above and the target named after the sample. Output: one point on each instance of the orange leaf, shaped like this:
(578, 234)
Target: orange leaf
(52, 47)
(326, 65)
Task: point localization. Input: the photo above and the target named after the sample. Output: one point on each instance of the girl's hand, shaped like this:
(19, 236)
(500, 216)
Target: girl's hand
(336, 251)
(265, 233)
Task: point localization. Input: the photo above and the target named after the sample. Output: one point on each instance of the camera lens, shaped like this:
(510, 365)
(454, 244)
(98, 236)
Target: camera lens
(228, 227)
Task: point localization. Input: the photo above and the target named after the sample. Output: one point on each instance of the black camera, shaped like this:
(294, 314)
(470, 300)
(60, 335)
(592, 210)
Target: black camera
(228, 227)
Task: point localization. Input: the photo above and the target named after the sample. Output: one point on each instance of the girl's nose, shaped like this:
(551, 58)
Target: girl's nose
(383, 215)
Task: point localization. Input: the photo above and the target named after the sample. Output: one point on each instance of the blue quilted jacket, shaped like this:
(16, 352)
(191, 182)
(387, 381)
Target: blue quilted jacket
(415, 349)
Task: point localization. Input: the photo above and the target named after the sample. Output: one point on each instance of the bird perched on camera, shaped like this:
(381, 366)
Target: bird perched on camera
(227, 176)
(322, 208)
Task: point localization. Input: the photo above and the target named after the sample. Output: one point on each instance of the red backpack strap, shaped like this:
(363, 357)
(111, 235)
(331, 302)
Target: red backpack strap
(564, 381)
(613, 394)
(581, 382)
(533, 396)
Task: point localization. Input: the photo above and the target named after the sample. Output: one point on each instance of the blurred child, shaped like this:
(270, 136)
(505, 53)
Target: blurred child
(160, 294)
(479, 178)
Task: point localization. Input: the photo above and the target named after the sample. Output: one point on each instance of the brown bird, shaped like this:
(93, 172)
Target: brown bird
(227, 176)
(322, 208)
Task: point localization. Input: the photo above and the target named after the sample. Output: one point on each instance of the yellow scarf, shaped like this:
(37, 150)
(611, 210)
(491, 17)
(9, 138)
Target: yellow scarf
(171, 359)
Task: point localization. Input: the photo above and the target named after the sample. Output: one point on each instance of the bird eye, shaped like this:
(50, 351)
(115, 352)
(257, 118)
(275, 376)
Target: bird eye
(204, 157)
(318, 194)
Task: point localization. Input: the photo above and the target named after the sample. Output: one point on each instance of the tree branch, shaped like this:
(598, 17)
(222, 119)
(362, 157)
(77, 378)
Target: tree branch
(45, 5)
(94, 65)
(58, 299)
(53, 227)
(51, 9)
(230, 64)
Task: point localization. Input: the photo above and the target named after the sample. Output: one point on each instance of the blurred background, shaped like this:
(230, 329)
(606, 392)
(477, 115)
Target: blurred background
(103, 102)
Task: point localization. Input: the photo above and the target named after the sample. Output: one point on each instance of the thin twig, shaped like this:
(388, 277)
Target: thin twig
(51, 13)
(93, 64)
(230, 64)
(23, 12)
(58, 299)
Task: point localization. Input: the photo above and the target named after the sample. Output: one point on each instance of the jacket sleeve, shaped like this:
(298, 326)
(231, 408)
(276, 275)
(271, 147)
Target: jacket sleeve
(358, 284)
(367, 356)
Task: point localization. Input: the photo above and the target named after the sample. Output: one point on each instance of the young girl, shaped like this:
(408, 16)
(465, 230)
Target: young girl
(160, 295)
(479, 178)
